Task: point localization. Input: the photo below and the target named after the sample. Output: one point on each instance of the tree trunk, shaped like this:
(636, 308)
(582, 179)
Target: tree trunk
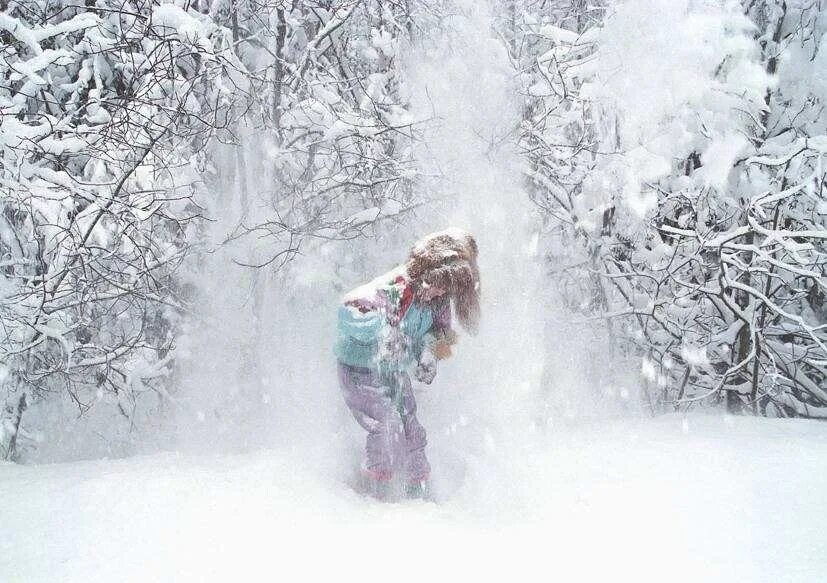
(11, 454)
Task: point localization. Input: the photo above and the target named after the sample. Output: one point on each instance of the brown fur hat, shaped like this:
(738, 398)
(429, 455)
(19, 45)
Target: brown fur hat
(448, 259)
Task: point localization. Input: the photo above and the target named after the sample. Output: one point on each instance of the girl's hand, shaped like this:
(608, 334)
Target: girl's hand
(449, 336)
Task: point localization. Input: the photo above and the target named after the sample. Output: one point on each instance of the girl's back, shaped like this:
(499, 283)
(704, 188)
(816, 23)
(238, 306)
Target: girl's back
(380, 321)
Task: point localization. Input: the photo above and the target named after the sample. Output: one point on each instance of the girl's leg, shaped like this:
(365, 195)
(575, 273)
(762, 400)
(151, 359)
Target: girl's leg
(373, 409)
(417, 469)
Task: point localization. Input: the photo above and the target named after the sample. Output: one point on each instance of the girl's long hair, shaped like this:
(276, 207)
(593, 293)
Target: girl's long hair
(448, 260)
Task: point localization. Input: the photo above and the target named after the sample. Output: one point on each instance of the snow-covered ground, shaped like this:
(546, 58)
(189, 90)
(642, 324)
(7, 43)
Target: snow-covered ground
(689, 499)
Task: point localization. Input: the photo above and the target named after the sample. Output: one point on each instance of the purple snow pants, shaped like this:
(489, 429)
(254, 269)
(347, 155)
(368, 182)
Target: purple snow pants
(395, 443)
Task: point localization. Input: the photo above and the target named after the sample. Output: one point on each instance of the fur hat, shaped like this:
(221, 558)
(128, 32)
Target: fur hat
(448, 260)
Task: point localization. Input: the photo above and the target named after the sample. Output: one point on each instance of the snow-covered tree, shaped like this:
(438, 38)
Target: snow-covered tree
(327, 132)
(136, 135)
(700, 216)
(105, 110)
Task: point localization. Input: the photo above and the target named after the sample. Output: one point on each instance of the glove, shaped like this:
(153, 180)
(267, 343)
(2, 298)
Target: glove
(426, 369)
(425, 373)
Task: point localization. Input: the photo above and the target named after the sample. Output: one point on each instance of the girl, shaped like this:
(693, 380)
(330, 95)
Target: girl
(397, 324)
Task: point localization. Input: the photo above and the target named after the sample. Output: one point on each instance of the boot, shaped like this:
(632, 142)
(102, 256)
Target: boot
(377, 489)
(418, 490)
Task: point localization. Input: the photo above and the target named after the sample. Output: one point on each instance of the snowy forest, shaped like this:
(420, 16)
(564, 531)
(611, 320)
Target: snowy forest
(190, 187)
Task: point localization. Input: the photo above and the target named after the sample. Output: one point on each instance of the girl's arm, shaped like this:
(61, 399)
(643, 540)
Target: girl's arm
(443, 334)
(394, 346)
(435, 344)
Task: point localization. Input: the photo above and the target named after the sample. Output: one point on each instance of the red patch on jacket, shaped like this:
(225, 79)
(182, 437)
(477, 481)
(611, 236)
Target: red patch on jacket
(407, 296)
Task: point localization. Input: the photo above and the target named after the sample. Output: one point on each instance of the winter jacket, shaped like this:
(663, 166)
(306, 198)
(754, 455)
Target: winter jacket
(382, 327)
